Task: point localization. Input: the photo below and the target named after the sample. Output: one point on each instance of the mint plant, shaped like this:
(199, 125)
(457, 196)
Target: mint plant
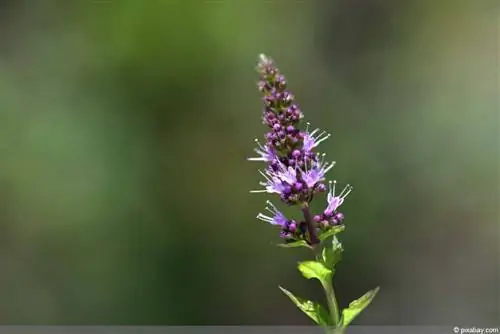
(296, 172)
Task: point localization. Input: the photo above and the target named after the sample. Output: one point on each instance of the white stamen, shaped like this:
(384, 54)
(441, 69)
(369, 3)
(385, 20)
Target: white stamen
(256, 159)
(268, 179)
(332, 187)
(259, 144)
(347, 189)
(319, 138)
(271, 208)
(264, 218)
(312, 133)
(322, 159)
(258, 191)
(343, 194)
(325, 166)
(328, 166)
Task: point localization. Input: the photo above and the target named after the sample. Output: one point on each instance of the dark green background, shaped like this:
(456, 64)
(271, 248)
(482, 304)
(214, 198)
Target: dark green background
(124, 129)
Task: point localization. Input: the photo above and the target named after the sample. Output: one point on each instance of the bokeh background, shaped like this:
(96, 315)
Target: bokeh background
(124, 129)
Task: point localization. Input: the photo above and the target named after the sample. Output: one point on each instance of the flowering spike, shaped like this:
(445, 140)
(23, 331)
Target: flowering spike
(294, 170)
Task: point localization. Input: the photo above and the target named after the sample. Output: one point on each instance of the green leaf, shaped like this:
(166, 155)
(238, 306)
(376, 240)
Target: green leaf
(315, 269)
(356, 306)
(299, 243)
(332, 255)
(314, 310)
(333, 231)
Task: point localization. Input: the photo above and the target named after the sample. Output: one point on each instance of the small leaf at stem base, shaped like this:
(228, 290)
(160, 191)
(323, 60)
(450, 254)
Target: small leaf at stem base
(356, 306)
(314, 310)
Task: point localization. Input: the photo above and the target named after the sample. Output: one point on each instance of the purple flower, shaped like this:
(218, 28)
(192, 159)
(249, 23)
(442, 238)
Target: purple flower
(317, 173)
(313, 139)
(277, 217)
(266, 153)
(334, 201)
(289, 228)
(273, 184)
(286, 174)
(282, 180)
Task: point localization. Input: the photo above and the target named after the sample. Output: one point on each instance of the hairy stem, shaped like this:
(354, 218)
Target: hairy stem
(313, 236)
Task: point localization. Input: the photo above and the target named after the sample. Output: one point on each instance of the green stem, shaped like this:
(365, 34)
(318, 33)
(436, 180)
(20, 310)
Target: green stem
(333, 307)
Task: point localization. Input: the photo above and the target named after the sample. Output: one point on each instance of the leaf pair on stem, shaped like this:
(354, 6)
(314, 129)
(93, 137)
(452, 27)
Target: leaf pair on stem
(323, 269)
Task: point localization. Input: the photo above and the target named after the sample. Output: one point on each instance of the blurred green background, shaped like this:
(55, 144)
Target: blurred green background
(124, 129)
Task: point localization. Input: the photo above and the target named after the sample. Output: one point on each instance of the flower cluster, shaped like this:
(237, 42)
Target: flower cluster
(295, 171)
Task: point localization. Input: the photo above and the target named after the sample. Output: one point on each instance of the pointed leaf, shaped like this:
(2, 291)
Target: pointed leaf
(294, 244)
(315, 269)
(314, 310)
(332, 255)
(333, 231)
(356, 306)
